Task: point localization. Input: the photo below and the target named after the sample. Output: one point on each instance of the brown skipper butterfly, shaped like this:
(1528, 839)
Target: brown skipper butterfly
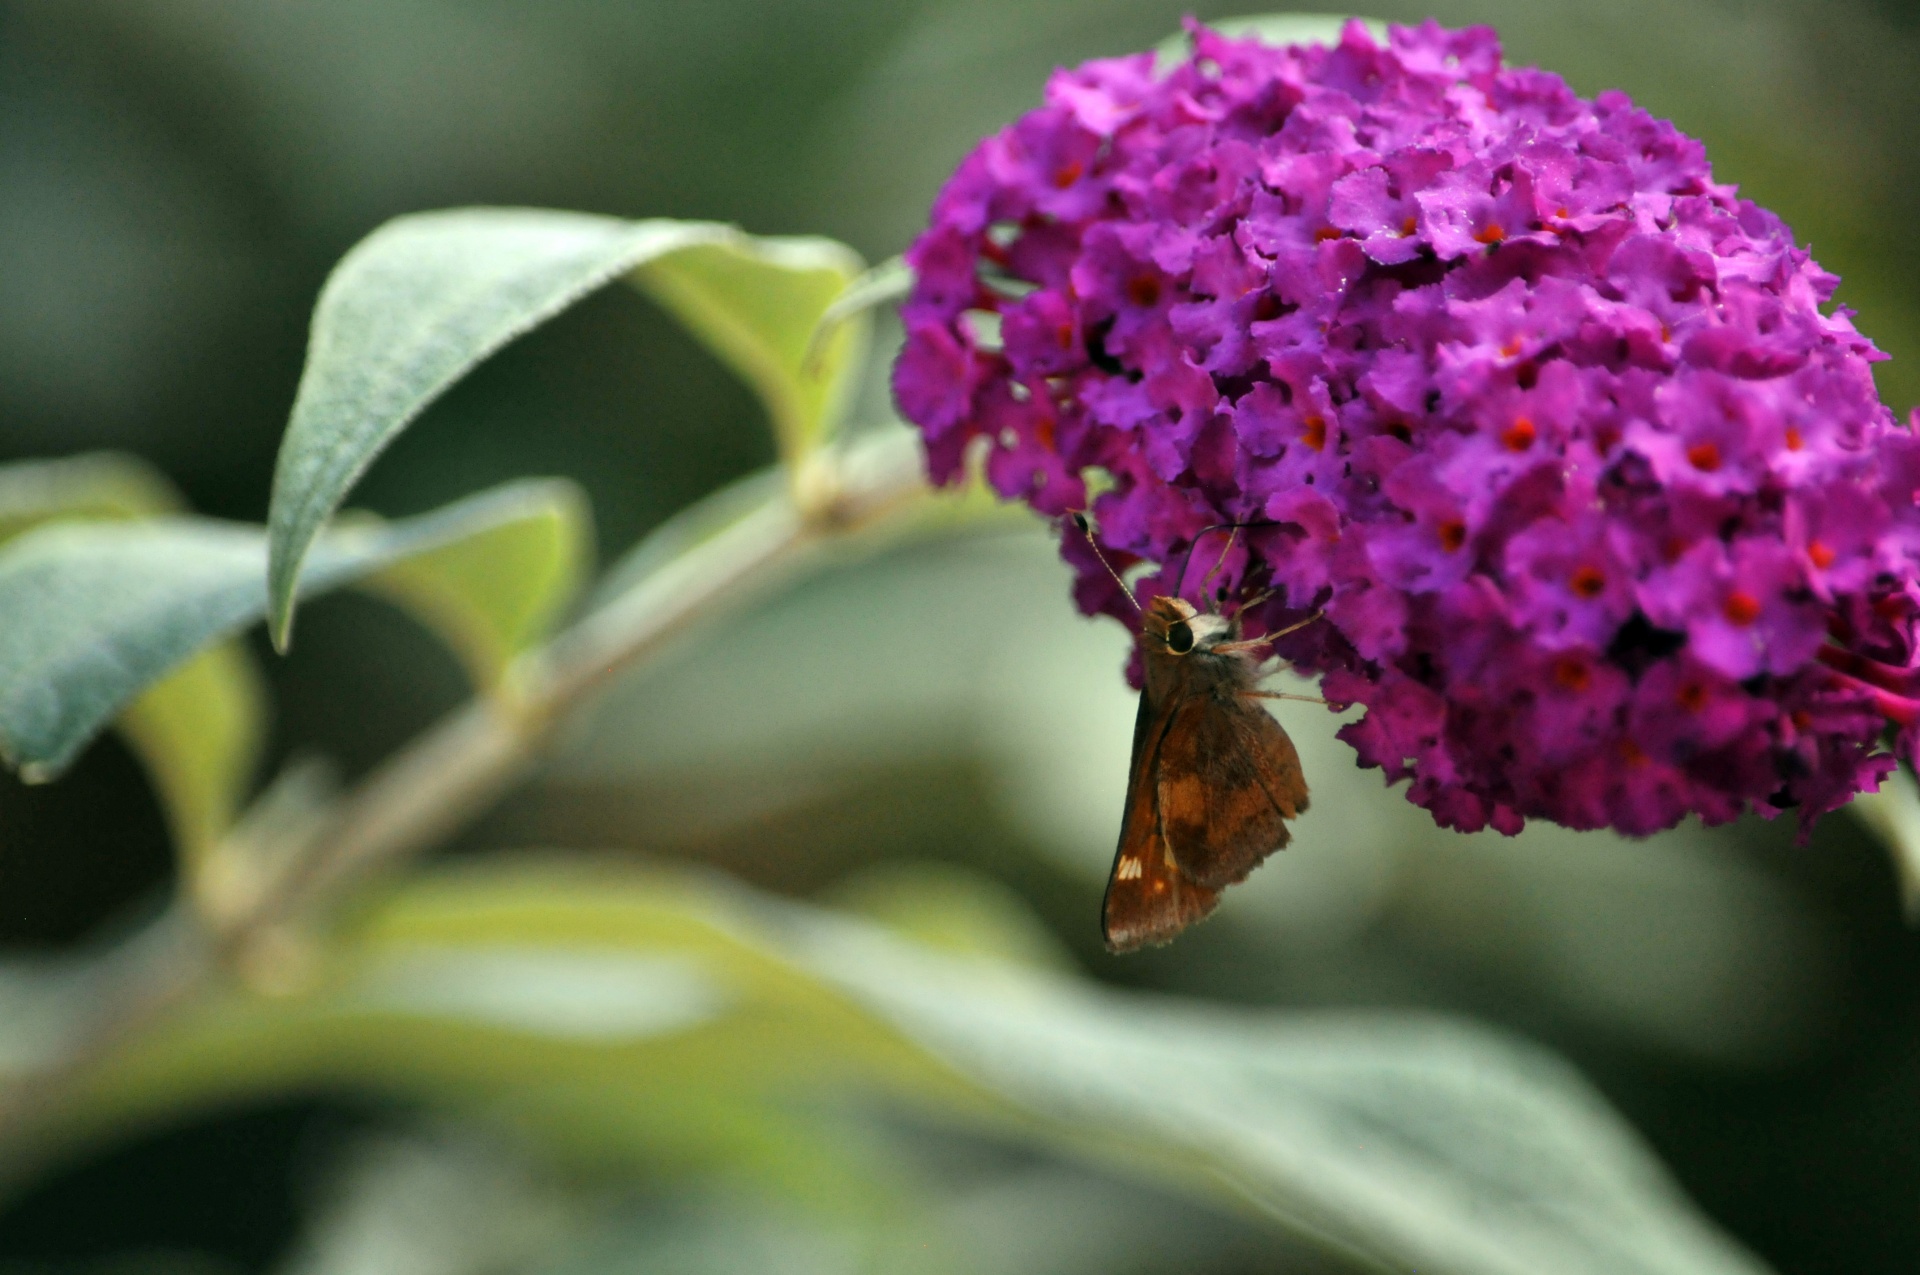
(1214, 778)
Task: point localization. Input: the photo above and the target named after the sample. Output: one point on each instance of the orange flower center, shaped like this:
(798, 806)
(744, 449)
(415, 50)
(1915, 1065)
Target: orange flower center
(1704, 457)
(1588, 582)
(1453, 534)
(1313, 432)
(1572, 673)
(1519, 435)
(1741, 608)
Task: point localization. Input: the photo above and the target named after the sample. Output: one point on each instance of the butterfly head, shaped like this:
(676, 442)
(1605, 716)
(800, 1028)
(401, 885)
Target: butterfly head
(1173, 626)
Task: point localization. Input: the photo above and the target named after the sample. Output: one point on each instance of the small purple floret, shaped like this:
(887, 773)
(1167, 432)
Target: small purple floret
(1607, 521)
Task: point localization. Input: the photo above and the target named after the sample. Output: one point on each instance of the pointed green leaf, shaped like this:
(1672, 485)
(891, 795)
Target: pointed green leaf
(600, 1006)
(98, 612)
(424, 299)
(198, 731)
(407, 313)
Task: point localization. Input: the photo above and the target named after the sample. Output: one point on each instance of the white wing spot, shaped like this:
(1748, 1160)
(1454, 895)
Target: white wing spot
(1129, 869)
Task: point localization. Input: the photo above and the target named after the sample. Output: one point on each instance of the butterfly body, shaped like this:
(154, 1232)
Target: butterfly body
(1213, 782)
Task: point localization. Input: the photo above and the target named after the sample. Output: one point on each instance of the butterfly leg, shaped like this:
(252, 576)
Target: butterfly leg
(1248, 604)
(1254, 644)
(1304, 699)
(1295, 627)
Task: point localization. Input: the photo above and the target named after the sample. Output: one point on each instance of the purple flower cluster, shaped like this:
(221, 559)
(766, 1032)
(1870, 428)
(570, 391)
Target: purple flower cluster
(1605, 517)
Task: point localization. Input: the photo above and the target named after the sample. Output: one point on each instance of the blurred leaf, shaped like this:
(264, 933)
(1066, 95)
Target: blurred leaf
(197, 732)
(699, 522)
(891, 280)
(493, 594)
(99, 611)
(1893, 813)
(952, 910)
(756, 303)
(96, 485)
(1407, 1142)
(444, 1201)
(717, 1235)
(275, 829)
(424, 299)
(450, 1198)
(1268, 28)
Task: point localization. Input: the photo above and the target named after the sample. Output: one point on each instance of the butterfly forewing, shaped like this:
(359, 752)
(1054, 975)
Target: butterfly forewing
(1148, 899)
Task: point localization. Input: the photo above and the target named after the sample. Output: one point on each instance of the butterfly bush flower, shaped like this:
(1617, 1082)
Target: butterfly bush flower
(1605, 517)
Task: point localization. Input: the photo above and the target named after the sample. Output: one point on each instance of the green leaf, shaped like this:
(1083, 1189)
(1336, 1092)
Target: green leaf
(1893, 814)
(424, 299)
(98, 612)
(1269, 28)
(756, 303)
(198, 732)
(710, 516)
(492, 595)
(95, 485)
(643, 1016)
(891, 280)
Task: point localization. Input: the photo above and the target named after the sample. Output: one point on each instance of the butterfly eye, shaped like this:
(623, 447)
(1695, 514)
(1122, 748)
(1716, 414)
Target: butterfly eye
(1179, 637)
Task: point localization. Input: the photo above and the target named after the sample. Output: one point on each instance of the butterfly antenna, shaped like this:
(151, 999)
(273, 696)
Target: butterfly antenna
(1181, 580)
(1221, 561)
(1080, 521)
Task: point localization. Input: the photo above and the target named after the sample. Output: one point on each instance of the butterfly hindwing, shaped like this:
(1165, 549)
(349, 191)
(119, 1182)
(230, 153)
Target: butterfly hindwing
(1228, 780)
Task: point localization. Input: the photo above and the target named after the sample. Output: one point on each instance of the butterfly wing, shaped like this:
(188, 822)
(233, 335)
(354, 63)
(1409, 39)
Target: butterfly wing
(1228, 781)
(1149, 899)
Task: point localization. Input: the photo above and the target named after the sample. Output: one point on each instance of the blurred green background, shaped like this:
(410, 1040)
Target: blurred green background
(177, 176)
